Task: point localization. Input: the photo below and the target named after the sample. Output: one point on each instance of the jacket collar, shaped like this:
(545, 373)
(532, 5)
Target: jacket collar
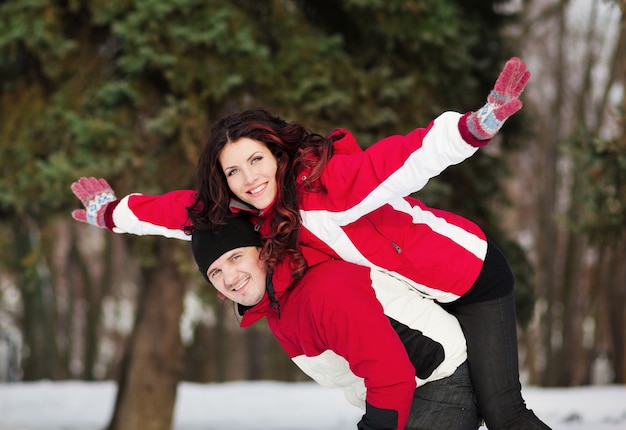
(277, 285)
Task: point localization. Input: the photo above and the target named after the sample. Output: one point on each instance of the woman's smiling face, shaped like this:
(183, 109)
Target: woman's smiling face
(250, 170)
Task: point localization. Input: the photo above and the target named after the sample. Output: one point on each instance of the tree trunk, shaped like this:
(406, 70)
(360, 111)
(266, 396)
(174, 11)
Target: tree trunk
(38, 301)
(151, 367)
(618, 288)
(572, 372)
(95, 293)
(92, 286)
(547, 247)
(616, 301)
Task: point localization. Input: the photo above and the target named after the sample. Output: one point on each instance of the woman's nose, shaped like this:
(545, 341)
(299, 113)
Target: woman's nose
(249, 176)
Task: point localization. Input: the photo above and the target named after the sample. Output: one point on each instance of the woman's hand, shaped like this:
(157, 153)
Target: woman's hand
(95, 194)
(502, 102)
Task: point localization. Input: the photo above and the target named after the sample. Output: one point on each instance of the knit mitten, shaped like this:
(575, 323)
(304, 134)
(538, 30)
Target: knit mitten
(502, 102)
(95, 194)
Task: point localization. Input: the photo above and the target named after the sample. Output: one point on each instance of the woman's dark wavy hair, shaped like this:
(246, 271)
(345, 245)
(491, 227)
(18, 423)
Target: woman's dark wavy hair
(294, 147)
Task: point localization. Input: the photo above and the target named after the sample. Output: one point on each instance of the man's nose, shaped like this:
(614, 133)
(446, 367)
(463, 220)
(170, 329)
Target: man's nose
(230, 276)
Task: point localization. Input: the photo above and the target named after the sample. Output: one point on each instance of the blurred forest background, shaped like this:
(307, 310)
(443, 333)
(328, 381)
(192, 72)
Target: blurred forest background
(127, 89)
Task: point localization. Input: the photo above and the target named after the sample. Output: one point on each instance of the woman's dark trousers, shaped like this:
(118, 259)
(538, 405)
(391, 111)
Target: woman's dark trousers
(490, 330)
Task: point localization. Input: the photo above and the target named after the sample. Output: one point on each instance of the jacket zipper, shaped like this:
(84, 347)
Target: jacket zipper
(397, 247)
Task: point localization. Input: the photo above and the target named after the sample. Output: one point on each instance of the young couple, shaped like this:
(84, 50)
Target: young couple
(316, 200)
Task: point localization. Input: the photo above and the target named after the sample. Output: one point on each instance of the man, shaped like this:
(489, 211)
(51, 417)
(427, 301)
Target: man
(351, 327)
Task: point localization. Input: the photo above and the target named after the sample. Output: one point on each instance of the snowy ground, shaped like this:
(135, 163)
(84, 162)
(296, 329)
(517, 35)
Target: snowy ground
(271, 406)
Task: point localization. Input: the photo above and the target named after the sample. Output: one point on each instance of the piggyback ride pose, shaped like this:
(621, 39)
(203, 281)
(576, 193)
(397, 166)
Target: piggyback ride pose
(326, 194)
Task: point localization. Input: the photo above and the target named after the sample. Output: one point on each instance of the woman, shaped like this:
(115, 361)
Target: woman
(342, 337)
(326, 194)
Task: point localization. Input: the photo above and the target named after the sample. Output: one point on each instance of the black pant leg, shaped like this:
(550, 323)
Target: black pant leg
(491, 333)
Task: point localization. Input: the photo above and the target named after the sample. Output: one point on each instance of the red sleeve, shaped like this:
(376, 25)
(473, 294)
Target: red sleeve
(352, 323)
(359, 182)
(142, 214)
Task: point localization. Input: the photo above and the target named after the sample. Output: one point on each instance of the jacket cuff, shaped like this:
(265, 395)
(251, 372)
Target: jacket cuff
(108, 214)
(467, 136)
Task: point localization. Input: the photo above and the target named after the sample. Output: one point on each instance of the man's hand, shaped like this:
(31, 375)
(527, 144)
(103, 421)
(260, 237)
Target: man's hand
(502, 102)
(95, 194)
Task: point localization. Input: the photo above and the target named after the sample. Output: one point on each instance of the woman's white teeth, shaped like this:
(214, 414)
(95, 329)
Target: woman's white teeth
(257, 189)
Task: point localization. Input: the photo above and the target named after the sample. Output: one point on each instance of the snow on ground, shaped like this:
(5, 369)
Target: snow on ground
(267, 405)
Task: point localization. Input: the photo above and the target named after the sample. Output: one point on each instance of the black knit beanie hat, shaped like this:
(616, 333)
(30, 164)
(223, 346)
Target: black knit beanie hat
(209, 245)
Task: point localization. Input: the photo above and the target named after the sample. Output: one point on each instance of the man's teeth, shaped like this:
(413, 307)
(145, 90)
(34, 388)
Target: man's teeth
(238, 287)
